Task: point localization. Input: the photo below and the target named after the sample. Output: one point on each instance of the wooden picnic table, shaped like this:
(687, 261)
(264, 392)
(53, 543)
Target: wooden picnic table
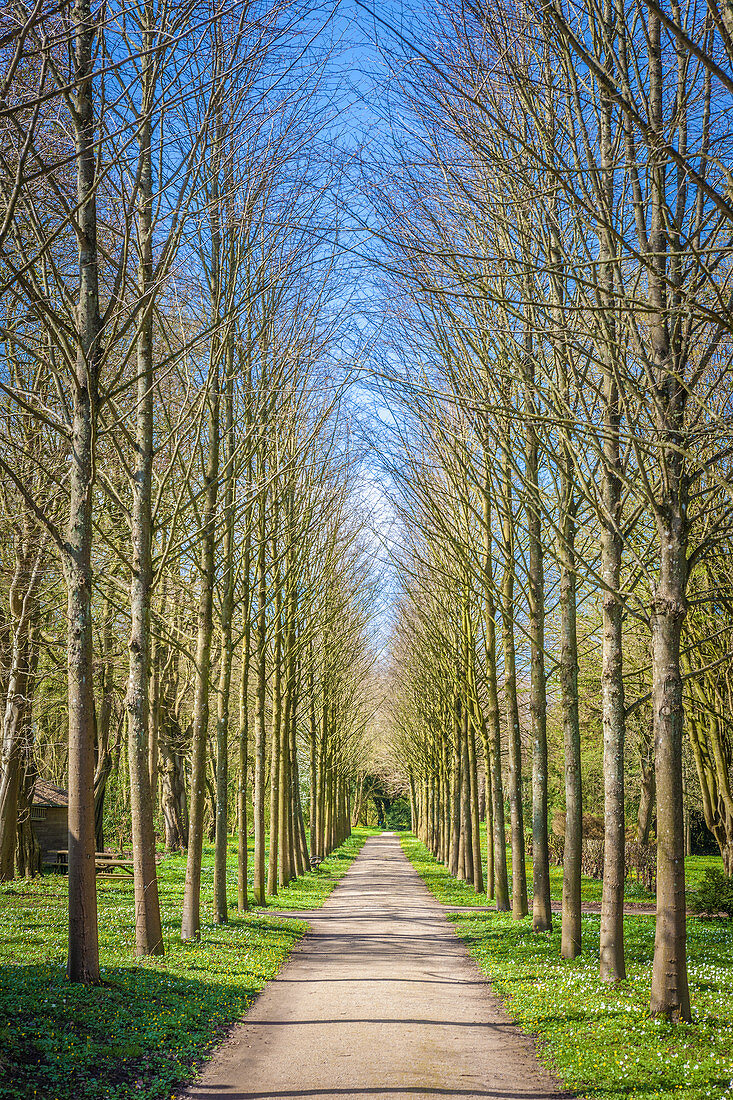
(106, 864)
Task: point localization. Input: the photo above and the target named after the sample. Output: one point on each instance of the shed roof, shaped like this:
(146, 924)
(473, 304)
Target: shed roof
(48, 794)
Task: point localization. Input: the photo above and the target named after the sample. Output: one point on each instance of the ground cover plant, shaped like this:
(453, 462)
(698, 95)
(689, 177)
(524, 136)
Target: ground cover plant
(144, 1029)
(601, 1040)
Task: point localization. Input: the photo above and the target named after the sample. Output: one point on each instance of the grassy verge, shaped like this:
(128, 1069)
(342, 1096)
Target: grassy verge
(143, 1030)
(600, 1040)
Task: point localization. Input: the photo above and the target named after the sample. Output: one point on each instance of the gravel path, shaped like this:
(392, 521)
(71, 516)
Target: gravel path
(379, 999)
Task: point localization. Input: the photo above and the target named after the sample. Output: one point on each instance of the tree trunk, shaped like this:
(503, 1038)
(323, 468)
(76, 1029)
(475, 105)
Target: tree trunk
(465, 858)
(276, 726)
(612, 964)
(172, 773)
(497, 837)
(514, 738)
(105, 760)
(301, 846)
(670, 995)
(478, 878)
(242, 840)
(321, 801)
(225, 668)
(191, 918)
(83, 959)
(284, 795)
(490, 875)
(287, 836)
(647, 794)
(313, 757)
(154, 722)
(148, 930)
(572, 855)
(258, 888)
(455, 839)
(541, 909)
(28, 851)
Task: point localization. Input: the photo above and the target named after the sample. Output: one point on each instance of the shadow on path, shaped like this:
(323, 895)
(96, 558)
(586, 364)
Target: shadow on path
(380, 999)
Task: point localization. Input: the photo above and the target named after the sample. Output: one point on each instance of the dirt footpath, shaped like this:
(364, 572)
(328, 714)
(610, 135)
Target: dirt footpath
(380, 999)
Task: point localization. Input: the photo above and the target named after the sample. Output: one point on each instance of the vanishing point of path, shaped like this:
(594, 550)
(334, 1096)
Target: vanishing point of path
(379, 999)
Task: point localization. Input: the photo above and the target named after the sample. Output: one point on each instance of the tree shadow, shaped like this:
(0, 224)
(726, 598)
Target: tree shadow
(144, 1029)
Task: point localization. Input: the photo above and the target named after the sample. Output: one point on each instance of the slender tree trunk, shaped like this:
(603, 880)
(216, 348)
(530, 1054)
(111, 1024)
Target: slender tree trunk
(301, 846)
(258, 888)
(173, 742)
(28, 851)
(148, 929)
(455, 840)
(514, 737)
(83, 959)
(687, 817)
(493, 756)
(648, 789)
(191, 919)
(571, 897)
(242, 839)
(284, 795)
(465, 860)
(323, 777)
(541, 910)
(446, 798)
(612, 962)
(276, 735)
(154, 722)
(313, 745)
(670, 992)
(478, 878)
(225, 667)
(490, 869)
(287, 849)
(321, 800)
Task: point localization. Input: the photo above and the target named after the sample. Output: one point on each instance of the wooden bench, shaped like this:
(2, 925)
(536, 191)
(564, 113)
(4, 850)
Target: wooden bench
(315, 862)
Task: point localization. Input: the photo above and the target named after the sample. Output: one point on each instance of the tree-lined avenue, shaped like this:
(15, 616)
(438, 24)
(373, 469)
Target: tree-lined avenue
(380, 999)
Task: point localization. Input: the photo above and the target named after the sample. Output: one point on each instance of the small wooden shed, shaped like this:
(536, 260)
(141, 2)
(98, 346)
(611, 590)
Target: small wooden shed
(50, 818)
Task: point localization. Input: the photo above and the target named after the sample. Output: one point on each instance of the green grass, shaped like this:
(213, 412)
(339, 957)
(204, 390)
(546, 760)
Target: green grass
(143, 1030)
(601, 1040)
(696, 866)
